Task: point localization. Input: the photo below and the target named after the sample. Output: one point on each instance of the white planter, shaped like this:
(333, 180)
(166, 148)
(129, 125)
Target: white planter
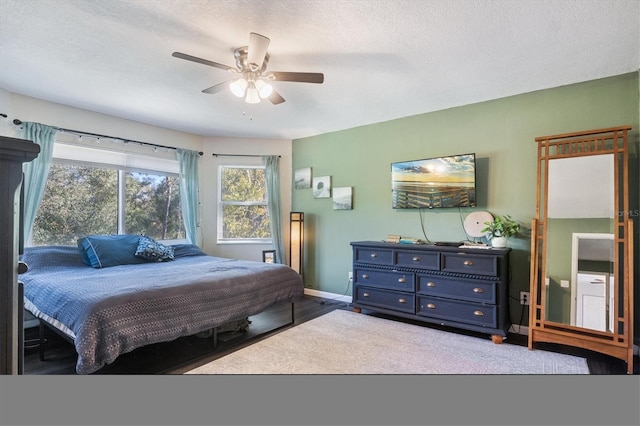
(499, 242)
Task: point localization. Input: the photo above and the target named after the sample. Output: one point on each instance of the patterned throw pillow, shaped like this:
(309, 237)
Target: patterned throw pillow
(153, 251)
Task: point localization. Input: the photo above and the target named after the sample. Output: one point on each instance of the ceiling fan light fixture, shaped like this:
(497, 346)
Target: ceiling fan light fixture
(264, 89)
(253, 97)
(238, 87)
(251, 65)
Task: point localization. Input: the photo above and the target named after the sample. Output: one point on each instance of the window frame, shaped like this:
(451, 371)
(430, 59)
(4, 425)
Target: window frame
(220, 207)
(122, 161)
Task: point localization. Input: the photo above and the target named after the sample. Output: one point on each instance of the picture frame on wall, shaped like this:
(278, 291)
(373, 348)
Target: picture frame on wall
(343, 198)
(322, 187)
(302, 178)
(269, 256)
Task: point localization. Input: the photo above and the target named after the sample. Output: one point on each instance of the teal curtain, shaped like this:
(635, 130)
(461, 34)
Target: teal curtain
(36, 171)
(188, 161)
(272, 177)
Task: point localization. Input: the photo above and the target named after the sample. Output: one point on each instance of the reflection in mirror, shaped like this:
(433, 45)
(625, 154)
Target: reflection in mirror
(579, 255)
(592, 267)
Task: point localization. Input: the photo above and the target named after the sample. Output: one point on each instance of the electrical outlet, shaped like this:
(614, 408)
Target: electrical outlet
(524, 297)
(350, 276)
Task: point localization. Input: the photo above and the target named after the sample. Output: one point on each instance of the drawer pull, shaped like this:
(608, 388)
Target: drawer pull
(374, 255)
(431, 284)
(402, 280)
(365, 276)
(478, 290)
(478, 313)
(468, 262)
(431, 306)
(416, 259)
(365, 294)
(402, 300)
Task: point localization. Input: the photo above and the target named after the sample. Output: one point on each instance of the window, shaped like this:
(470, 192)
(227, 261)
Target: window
(243, 214)
(84, 197)
(152, 206)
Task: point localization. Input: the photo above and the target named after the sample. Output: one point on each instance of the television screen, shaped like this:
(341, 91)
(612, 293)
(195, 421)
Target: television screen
(434, 182)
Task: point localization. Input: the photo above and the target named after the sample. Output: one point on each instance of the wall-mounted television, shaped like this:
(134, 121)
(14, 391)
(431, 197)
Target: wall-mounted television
(437, 182)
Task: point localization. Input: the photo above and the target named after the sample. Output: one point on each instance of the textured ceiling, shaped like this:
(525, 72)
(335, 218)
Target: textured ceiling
(381, 59)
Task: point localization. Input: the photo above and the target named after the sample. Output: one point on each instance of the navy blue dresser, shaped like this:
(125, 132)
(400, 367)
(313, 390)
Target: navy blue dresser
(467, 288)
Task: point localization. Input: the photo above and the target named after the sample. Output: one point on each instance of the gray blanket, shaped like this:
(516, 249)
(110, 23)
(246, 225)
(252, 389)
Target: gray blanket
(111, 311)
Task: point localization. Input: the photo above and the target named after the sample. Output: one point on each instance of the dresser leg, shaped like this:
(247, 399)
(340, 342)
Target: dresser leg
(496, 339)
(357, 310)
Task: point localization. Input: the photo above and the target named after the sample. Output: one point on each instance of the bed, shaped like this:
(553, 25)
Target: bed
(110, 310)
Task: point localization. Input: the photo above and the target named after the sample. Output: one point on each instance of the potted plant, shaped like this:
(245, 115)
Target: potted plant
(501, 228)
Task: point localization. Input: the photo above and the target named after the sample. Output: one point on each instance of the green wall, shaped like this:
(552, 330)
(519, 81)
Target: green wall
(501, 133)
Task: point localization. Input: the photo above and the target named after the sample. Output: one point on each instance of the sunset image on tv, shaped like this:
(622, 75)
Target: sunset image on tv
(434, 182)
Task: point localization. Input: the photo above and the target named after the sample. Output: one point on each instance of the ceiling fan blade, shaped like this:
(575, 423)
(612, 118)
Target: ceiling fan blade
(300, 77)
(258, 45)
(275, 98)
(218, 87)
(202, 61)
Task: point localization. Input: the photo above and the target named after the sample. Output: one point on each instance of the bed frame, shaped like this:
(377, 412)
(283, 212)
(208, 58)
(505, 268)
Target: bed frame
(214, 338)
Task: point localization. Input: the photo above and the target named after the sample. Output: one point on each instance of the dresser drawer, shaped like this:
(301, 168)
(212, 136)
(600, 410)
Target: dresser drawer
(373, 256)
(470, 313)
(470, 264)
(385, 299)
(456, 288)
(416, 259)
(394, 280)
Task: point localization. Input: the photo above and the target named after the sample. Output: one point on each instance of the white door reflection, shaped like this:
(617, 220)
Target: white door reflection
(592, 281)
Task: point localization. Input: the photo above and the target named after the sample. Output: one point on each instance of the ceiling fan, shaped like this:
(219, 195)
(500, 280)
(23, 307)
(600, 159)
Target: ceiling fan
(253, 81)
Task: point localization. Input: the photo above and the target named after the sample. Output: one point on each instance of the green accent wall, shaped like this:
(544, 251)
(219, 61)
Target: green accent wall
(500, 132)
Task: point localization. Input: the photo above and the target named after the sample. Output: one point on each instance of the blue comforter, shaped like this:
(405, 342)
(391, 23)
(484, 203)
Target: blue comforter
(111, 311)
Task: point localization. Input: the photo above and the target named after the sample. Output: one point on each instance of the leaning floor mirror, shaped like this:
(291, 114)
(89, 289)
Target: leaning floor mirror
(582, 244)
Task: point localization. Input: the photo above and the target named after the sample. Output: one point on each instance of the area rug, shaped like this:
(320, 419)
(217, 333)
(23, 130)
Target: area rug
(344, 342)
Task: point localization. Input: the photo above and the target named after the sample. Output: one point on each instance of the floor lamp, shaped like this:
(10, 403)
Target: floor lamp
(296, 241)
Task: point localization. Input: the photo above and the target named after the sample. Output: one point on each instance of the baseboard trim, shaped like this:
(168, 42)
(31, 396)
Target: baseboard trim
(519, 329)
(327, 295)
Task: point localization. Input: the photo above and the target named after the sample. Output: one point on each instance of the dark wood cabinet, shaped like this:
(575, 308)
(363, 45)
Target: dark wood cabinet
(467, 288)
(13, 153)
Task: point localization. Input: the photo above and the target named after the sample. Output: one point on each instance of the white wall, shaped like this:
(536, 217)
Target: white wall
(6, 128)
(26, 108)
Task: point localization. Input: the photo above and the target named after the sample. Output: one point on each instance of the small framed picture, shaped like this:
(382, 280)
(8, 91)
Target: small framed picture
(342, 198)
(302, 178)
(322, 187)
(269, 256)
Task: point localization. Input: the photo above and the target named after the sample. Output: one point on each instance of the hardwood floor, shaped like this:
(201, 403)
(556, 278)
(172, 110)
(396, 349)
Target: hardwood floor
(186, 353)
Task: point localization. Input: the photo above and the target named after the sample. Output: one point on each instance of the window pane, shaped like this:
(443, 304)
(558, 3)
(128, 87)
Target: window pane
(77, 201)
(153, 206)
(243, 184)
(245, 222)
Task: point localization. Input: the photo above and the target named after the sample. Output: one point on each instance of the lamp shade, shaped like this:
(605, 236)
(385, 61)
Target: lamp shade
(238, 87)
(296, 242)
(252, 94)
(264, 89)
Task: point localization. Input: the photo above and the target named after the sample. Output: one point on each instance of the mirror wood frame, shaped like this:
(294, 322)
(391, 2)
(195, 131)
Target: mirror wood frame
(618, 342)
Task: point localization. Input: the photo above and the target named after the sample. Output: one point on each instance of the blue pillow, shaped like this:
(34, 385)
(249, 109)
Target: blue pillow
(153, 251)
(102, 251)
(185, 250)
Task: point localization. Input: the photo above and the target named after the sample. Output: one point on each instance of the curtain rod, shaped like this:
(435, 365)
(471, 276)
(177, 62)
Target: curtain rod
(18, 122)
(239, 155)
